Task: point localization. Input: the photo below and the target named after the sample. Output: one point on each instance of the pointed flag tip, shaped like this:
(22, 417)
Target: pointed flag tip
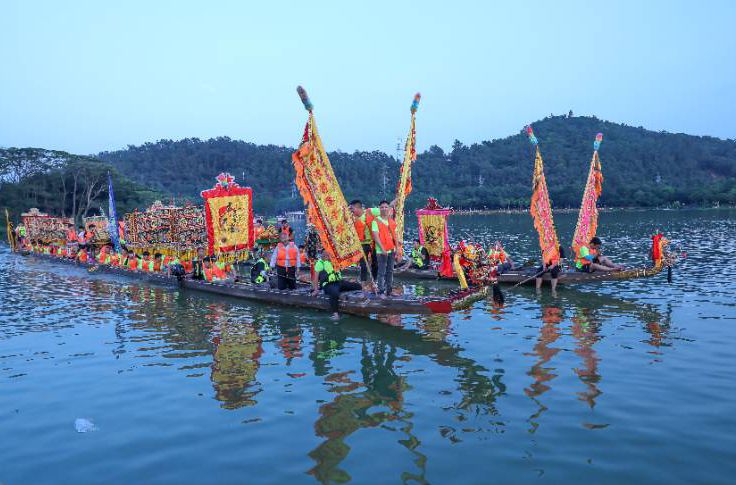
(305, 98)
(415, 103)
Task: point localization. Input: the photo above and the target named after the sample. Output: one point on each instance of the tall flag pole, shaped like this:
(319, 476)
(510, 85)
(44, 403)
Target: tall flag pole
(588, 216)
(112, 221)
(541, 208)
(404, 187)
(326, 205)
(9, 229)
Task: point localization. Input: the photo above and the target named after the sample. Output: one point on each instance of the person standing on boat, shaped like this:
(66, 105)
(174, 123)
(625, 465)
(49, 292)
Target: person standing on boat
(197, 263)
(500, 259)
(384, 234)
(363, 226)
(553, 268)
(286, 260)
(286, 229)
(331, 282)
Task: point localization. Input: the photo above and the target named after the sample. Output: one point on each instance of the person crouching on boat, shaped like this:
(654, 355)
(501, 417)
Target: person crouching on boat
(331, 282)
(286, 260)
(259, 271)
(589, 258)
(384, 233)
(552, 266)
(419, 256)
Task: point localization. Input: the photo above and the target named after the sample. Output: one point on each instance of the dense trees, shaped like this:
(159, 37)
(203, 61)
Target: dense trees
(641, 168)
(63, 184)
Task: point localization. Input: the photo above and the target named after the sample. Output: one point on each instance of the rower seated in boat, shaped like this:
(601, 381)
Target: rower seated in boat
(331, 282)
(589, 258)
(214, 272)
(499, 259)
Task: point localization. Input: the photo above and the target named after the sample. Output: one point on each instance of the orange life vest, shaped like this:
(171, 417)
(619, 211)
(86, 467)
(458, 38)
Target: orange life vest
(133, 263)
(82, 256)
(387, 234)
(361, 224)
(188, 266)
(283, 253)
(71, 235)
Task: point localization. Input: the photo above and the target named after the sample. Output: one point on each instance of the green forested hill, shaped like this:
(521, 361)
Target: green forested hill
(641, 168)
(64, 184)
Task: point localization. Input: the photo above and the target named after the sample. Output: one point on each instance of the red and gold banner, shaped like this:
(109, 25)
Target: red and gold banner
(433, 230)
(404, 186)
(228, 211)
(541, 209)
(588, 216)
(326, 205)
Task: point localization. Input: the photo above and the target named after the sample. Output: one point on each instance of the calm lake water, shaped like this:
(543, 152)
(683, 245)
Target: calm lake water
(620, 382)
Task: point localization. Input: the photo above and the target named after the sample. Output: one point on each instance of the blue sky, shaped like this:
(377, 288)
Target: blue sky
(90, 76)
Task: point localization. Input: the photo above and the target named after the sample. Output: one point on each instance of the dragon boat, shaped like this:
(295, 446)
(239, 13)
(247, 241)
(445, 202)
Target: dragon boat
(354, 302)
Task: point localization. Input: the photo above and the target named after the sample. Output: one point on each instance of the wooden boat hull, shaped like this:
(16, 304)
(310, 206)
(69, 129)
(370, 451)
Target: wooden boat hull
(350, 302)
(578, 277)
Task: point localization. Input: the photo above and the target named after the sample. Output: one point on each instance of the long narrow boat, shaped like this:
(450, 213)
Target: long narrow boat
(354, 303)
(566, 277)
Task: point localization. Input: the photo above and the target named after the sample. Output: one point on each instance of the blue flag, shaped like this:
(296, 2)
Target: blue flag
(112, 222)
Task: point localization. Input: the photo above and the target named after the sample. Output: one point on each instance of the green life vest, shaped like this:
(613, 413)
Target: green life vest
(150, 265)
(22, 231)
(416, 255)
(258, 271)
(326, 272)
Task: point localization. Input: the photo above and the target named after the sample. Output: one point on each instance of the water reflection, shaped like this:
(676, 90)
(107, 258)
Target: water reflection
(544, 351)
(238, 349)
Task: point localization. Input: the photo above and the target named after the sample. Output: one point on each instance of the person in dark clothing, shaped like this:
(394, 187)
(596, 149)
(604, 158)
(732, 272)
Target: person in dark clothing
(331, 282)
(198, 265)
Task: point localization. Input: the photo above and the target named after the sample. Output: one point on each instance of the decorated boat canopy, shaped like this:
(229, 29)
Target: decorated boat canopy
(43, 227)
(228, 210)
(166, 229)
(433, 230)
(97, 225)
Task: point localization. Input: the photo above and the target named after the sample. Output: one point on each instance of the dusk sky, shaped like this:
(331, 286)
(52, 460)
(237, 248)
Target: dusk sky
(94, 75)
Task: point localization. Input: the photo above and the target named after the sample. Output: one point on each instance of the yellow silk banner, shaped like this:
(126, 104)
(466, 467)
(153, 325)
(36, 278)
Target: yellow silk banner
(326, 205)
(434, 233)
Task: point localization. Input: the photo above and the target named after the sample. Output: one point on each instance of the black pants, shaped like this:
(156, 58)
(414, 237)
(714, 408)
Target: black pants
(370, 255)
(333, 290)
(286, 278)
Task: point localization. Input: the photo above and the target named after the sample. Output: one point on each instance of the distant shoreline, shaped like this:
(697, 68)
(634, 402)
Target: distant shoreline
(566, 210)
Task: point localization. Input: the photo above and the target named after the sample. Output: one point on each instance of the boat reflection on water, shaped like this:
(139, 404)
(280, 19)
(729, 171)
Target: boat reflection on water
(588, 315)
(235, 363)
(549, 332)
